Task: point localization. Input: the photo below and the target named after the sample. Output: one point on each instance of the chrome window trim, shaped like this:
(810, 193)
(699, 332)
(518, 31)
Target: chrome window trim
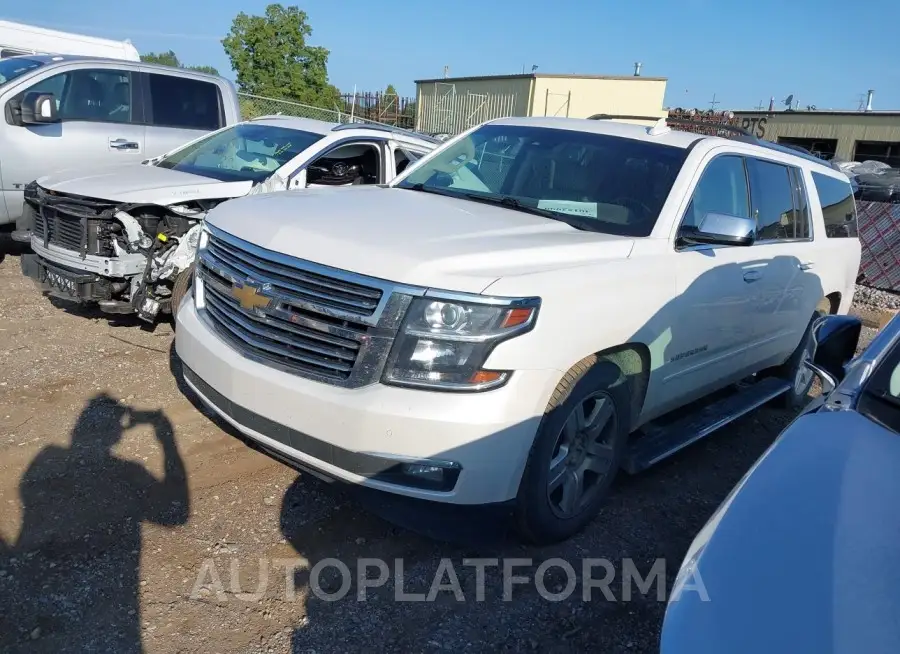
(800, 170)
(709, 246)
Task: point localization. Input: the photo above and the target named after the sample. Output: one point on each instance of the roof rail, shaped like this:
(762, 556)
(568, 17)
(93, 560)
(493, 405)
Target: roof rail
(734, 129)
(740, 134)
(385, 128)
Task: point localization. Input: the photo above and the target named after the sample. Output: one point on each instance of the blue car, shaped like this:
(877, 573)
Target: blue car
(804, 554)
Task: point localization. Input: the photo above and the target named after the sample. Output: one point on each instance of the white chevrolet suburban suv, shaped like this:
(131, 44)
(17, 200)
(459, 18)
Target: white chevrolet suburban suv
(534, 305)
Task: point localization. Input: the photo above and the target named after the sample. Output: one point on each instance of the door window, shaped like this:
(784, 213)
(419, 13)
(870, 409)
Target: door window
(403, 157)
(349, 163)
(838, 206)
(773, 202)
(184, 102)
(722, 189)
(90, 95)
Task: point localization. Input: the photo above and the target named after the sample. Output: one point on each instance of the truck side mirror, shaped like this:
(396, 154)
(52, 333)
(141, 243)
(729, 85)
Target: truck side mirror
(39, 108)
(721, 229)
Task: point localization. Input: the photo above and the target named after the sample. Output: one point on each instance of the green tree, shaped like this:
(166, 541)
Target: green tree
(390, 90)
(271, 58)
(162, 58)
(204, 69)
(171, 59)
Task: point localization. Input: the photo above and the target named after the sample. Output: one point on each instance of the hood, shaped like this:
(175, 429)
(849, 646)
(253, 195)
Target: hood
(803, 555)
(141, 184)
(412, 237)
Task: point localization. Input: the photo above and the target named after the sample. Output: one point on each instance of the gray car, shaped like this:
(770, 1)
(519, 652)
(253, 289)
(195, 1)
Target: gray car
(71, 112)
(804, 554)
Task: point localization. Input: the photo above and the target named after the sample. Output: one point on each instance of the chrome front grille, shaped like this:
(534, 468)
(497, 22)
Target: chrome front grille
(294, 315)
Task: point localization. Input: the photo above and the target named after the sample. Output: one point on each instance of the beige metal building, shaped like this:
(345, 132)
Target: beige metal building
(454, 104)
(849, 135)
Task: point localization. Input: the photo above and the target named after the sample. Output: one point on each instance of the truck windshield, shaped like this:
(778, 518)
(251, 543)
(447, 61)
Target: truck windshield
(593, 181)
(244, 152)
(13, 67)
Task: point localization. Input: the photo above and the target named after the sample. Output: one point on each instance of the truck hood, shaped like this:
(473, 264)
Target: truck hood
(141, 184)
(413, 237)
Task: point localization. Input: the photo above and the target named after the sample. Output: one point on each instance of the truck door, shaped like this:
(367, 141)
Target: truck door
(179, 109)
(101, 123)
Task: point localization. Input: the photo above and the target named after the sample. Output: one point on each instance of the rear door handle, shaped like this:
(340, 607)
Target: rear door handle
(752, 276)
(806, 265)
(123, 144)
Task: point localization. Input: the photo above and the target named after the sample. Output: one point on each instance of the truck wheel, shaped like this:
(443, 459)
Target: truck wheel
(576, 453)
(181, 287)
(796, 373)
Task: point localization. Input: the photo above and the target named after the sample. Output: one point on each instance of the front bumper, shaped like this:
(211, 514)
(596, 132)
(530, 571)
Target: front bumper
(123, 266)
(63, 282)
(366, 435)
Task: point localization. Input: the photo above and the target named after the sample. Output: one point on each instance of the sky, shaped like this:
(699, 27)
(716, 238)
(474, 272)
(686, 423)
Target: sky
(826, 53)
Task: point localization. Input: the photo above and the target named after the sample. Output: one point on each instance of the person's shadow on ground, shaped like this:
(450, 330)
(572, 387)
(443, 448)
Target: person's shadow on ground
(71, 581)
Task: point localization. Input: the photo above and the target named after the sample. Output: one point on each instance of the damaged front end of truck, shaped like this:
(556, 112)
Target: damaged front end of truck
(126, 257)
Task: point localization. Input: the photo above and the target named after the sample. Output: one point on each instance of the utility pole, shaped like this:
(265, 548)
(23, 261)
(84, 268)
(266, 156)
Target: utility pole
(760, 106)
(714, 102)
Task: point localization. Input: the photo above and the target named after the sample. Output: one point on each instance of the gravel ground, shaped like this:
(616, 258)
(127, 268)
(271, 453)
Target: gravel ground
(123, 506)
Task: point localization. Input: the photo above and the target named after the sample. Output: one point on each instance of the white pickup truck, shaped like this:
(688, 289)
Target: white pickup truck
(531, 307)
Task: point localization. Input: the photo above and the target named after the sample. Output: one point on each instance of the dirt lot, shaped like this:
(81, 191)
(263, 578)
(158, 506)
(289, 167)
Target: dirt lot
(123, 505)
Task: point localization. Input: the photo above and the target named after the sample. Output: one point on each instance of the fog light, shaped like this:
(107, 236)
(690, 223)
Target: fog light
(431, 473)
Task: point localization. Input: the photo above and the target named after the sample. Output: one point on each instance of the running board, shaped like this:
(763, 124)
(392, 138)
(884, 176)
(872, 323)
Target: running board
(653, 443)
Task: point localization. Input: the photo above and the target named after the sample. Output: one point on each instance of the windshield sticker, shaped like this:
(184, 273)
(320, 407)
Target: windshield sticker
(588, 209)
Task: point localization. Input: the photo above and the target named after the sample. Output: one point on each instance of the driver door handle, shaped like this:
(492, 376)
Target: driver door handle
(123, 144)
(752, 276)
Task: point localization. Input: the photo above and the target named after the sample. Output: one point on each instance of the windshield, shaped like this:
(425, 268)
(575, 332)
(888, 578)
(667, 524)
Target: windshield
(593, 181)
(245, 152)
(13, 67)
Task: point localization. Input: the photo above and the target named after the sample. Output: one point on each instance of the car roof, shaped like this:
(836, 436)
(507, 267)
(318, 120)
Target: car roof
(324, 127)
(295, 122)
(673, 137)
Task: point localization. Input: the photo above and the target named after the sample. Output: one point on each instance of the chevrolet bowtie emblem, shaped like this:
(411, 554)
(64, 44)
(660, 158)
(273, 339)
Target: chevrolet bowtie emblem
(250, 297)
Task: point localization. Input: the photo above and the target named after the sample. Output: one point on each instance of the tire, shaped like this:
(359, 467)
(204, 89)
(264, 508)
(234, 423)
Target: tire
(179, 290)
(547, 515)
(796, 373)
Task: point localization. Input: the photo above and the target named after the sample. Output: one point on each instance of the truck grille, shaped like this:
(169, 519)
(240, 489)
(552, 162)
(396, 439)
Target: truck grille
(285, 312)
(66, 222)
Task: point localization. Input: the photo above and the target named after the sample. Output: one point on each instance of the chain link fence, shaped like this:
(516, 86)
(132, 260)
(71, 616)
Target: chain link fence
(254, 106)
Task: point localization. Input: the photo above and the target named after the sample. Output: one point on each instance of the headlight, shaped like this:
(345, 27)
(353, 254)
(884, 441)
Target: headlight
(443, 344)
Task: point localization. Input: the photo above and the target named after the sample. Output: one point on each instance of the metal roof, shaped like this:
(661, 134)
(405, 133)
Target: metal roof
(477, 78)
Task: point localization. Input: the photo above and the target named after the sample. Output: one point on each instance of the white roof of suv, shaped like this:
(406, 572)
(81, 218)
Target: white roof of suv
(673, 136)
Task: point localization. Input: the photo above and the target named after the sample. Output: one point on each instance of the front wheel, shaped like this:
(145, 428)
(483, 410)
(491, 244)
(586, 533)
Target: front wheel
(576, 453)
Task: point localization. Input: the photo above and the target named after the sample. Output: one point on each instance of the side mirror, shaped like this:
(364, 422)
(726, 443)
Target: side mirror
(39, 108)
(721, 229)
(837, 338)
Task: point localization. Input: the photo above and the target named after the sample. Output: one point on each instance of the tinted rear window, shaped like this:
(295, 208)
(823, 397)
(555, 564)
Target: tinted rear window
(838, 206)
(184, 102)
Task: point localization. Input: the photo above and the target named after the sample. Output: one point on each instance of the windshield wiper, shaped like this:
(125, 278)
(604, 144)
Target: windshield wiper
(512, 203)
